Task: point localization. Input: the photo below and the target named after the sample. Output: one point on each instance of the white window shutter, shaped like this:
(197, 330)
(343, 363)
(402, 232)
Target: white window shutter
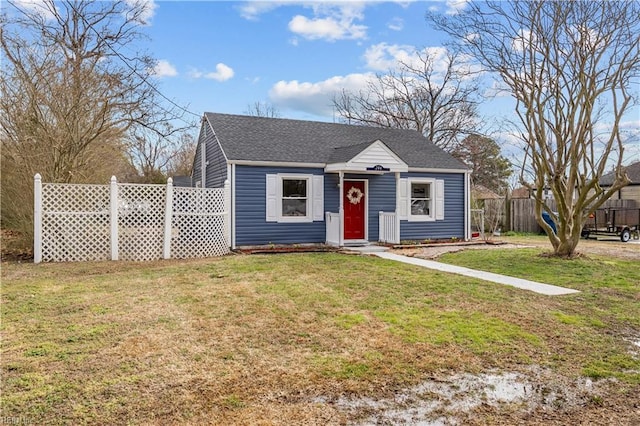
(439, 199)
(403, 200)
(317, 188)
(272, 198)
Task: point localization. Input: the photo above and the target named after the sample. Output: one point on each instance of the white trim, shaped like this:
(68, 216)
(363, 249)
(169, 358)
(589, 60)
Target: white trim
(401, 197)
(398, 180)
(309, 198)
(341, 208)
(431, 170)
(432, 199)
(317, 200)
(384, 157)
(276, 164)
(439, 197)
(467, 206)
(366, 211)
(233, 206)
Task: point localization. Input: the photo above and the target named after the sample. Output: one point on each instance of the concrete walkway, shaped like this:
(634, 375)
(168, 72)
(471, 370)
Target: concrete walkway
(550, 290)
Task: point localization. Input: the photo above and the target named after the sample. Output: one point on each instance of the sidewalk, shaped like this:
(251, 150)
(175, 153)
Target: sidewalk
(547, 289)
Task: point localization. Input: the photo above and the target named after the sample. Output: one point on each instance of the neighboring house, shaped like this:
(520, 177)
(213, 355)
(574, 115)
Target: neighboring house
(296, 182)
(629, 192)
(521, 193)
(480, 193)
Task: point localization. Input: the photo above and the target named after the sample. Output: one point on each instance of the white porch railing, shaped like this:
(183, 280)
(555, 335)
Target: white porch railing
(332, 221)
(389, 228)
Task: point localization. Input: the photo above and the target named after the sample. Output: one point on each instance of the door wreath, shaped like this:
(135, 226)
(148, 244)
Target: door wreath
(354, 195)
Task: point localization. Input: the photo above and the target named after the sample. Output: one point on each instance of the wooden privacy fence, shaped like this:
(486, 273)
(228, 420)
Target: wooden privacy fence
(519, 213)
(124, 221)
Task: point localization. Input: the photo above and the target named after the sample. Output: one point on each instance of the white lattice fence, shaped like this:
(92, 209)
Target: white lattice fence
(199, 215)
(129, 222)
(141, 221)
(75, 222)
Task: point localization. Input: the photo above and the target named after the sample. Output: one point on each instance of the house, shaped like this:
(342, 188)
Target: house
(297, 182)
(480, 193)
(629, 192)
(521, 193)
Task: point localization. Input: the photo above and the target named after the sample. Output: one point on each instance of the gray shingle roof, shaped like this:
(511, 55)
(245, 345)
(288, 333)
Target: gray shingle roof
(633, 171)
(283, 140)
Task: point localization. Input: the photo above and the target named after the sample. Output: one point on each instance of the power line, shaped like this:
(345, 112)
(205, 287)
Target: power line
(126, 62)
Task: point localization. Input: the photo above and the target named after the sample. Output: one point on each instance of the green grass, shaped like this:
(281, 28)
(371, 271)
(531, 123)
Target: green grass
(250, 339)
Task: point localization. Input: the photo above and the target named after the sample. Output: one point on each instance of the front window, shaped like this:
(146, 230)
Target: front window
(421, 199)
(295, 197)
(421, 202)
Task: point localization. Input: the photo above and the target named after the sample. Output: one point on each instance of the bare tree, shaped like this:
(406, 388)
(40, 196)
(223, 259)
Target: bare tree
(435, 96)
(181, 163)
(262, 109)
(70, 93)
(571, 67)
(156, 156)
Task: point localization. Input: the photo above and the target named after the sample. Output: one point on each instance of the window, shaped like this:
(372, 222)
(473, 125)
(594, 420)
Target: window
(420, 199)
(295, 200)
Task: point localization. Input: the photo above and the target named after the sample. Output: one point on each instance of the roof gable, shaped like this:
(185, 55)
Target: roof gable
(375, 156)
(277, 140)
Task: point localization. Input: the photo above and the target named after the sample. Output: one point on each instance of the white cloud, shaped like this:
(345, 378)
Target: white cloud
(455, 6)
(523, 40)
(315, 98)
(328, 28)
(384, 57)
(147, 9)
(253, 9)
(164, 68)
(38, 6)
(396, 24)
(222, 73)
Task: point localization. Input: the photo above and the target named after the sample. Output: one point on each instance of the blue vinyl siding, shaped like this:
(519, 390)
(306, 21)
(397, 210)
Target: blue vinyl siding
(196, 170)
(216, 167)
(453, 223)
(251, 227)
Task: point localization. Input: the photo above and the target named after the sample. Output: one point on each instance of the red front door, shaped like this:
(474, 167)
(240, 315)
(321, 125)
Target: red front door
(354, 210)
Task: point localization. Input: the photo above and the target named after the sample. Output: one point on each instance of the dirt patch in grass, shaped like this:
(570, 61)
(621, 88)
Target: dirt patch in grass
(533, 396)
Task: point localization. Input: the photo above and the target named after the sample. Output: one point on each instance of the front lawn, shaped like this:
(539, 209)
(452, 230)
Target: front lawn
(281, 339)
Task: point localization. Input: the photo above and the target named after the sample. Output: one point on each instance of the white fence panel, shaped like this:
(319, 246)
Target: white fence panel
(140, 221)
(199, 223)
(129, 222)
(75, 222)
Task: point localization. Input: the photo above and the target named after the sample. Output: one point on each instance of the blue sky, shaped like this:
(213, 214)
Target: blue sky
(222, 56)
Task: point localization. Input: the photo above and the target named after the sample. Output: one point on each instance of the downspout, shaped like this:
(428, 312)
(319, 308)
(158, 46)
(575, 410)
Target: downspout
(397, 205)
(341, 210)
(467, 205)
